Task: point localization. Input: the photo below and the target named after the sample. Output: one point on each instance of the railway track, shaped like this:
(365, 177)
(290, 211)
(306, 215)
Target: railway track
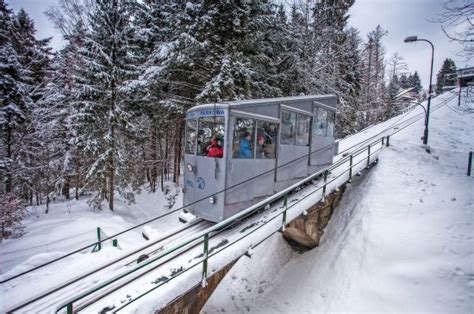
(48, 299)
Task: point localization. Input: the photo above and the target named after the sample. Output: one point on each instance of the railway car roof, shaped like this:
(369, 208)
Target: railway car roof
(261, 101)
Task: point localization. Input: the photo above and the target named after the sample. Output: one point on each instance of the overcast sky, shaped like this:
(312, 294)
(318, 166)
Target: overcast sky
(401, 18)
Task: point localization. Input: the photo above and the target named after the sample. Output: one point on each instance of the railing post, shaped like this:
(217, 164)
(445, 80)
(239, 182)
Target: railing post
(368, 157)
(388, 141)
(324, 186)
(350, 169)
(285, 204)
(99, 244)
(204, 262)
(469, 164)
(383, 141)
(69, 308)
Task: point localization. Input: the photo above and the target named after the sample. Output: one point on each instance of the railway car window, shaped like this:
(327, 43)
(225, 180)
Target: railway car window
(191, 132)
(210, 139)
(331, 120)
(303, 123)
(321, 124)
(244, 138)
(266, 140)
(288, 128)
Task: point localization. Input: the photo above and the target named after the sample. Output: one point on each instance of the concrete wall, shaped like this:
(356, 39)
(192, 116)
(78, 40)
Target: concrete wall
(307, 230)
(193, 301)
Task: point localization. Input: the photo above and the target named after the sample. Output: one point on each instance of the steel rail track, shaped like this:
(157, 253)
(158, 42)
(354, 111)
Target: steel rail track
(78, 281)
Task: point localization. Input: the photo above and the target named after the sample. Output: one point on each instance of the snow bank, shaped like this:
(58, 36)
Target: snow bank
(72, 225)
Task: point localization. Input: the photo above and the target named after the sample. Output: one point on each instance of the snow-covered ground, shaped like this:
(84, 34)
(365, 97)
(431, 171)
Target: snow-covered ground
(72, 225)
(401, 240)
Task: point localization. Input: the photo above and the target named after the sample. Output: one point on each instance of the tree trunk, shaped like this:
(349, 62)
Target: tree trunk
(111, 156)
(153, 174)
(162, 164)
(167, 153)
(369, 70)
(66, 187)
(179, 149)
(9, 176)
(77, 181)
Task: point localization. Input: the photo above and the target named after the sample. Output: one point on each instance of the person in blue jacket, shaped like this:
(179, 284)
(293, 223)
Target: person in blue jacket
(245, 149)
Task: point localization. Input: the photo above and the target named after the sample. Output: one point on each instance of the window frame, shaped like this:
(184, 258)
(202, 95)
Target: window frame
(186, 129)
(236, 114)
(329, 111)
(275, 138)
(212, 131)
(296, 111)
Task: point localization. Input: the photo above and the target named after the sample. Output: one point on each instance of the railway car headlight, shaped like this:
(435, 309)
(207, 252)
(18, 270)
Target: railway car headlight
(190, 167)
(212, 199)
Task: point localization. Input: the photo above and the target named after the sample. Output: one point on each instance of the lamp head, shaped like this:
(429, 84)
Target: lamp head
(411, 39)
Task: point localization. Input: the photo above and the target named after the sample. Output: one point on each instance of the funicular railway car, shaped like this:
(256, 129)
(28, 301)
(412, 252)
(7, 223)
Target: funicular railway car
(253, 148)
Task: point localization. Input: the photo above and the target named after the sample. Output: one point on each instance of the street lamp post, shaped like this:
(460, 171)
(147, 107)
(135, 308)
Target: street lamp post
(411, 39)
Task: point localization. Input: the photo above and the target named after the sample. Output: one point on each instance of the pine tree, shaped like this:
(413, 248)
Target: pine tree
(12, 212)
(414, 81)
(15, 101)
(106, 124)
(396, 68)
(373, 83)
(446, 75)
(351, 64)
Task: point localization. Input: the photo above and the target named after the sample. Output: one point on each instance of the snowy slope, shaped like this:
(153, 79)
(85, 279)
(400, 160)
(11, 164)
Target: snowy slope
(72, 225)
(402, 238)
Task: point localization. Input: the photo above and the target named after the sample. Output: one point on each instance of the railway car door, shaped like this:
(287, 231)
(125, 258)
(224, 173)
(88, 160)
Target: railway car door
(322, 143)
(250, 169)
(294, 144)
(205, 163)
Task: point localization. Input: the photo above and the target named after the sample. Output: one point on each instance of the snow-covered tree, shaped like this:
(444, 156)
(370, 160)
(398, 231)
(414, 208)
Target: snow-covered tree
(351, 64)
(105, 121)
(414, 81)
(373, 78)
(12, 212)
(446, 75)
(25, 69)
(457, 19)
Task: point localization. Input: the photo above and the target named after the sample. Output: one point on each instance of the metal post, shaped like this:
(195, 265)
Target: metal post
(204, 262)
(459, 96)
(69, 308)
(324, 186)
(285, 204)
(115, 242)
(350, 169)
(368, 157)
(425, 138)
(411, 39)
(383, 141)
(388, 141)
(99, 244)
(469, 164)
